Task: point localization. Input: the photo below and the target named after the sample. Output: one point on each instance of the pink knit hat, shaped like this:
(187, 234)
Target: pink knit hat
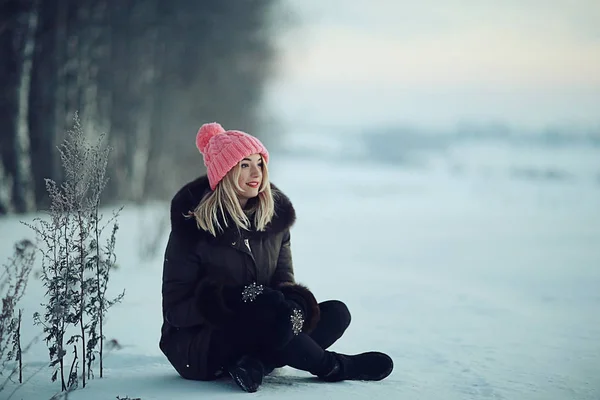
(222, 150)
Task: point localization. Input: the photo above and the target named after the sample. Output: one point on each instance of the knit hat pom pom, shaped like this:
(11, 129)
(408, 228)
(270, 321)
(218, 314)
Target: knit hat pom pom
(205, 133)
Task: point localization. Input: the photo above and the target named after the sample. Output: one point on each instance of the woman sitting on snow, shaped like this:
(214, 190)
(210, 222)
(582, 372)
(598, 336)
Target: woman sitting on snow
(231, 305)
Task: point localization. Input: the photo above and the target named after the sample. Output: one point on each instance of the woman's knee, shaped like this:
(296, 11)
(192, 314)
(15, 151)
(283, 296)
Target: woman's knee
(337, 310)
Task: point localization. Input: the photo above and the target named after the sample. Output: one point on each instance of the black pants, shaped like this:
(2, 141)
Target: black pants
(304, 352)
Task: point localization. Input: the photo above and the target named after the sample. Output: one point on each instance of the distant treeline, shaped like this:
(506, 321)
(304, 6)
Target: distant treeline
(146, 73)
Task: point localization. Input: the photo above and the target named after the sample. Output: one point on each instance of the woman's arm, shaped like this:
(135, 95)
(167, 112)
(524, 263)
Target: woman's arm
(182, 273)
(283, 279)
(192, 297)
(284, 272)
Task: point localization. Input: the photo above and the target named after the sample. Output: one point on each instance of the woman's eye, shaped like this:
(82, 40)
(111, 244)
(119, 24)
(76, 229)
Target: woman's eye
(244, 165)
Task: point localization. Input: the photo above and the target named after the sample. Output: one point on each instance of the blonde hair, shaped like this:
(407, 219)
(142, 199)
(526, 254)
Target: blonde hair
(221, 206)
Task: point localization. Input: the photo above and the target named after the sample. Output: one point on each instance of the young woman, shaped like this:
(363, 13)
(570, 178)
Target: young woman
(231, 306)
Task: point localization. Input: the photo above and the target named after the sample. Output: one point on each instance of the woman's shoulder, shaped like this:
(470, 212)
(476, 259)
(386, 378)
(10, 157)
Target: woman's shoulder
(187, 198)
(183, 203)
(285, 214)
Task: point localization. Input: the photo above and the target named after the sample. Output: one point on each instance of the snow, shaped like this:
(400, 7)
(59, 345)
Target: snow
(478, 286)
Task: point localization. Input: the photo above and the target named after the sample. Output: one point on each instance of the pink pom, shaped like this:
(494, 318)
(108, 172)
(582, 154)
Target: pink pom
(205, 133)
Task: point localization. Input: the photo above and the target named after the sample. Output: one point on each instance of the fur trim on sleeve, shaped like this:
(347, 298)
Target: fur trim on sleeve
(303, 296)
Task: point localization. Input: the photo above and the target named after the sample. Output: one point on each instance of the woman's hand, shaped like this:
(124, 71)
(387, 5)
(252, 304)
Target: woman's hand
(302, 299)
(264, 315)
(251, 297)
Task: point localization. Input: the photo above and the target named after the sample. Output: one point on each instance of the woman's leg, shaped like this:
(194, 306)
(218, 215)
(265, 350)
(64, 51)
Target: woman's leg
(302, 352)
(237, 349)
(227, 346)
(335, 319)
(221, 353)
(307, 352)
(235, 353)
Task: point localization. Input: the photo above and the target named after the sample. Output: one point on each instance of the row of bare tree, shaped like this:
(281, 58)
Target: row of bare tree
(147, 73)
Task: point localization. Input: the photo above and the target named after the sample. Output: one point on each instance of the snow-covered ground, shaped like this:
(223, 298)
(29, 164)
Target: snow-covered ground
(479, 286)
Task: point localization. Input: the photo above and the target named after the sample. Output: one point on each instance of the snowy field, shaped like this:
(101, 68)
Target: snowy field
(478, 285)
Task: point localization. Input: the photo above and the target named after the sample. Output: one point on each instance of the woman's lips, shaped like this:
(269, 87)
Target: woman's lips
(253, 184)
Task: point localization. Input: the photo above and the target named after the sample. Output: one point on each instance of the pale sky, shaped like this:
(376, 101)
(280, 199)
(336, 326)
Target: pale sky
(528, 62)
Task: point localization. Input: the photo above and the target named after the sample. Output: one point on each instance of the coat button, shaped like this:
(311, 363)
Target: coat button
(187, 365)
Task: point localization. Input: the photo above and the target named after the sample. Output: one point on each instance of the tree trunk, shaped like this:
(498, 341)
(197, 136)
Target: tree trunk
(60, 91)
(121, 135)
(26, 188)
(16, 42)
(5, 184)
(156, 170)
(138, 154)
(10, 65)
(72, 64)
(92, 52)
(42, 105)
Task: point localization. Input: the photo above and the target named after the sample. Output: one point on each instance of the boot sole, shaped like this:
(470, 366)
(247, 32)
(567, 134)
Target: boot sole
(242, 378)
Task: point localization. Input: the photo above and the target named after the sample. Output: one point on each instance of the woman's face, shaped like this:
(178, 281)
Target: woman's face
(250, 176)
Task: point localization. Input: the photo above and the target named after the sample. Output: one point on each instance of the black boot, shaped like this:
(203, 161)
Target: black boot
(248, 373)
(371, 366)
